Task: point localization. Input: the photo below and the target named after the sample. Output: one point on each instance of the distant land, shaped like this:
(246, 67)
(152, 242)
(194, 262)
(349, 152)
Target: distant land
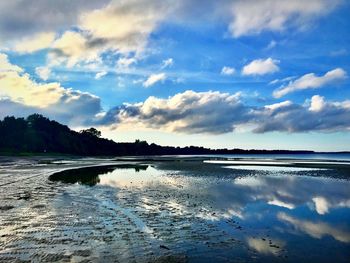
(37, 134)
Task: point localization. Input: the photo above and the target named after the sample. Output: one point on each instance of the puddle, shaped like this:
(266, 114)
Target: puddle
(271, 168)
(97, 174)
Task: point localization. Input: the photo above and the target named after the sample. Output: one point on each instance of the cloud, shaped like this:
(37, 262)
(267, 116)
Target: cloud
(317, 103)
(275, 81)
(11, 108)
(25, 18)
(21, 94)
(121, 27)
(320, 115)
(321, 204)
(255, 16)
(125, 25)
(167, 63)
(227, 71)
(22, 89)
(278, 105)
(280, 203)
(214, 112)
(311, 81)
(271, 45)
(100, 74)
(73, 47)
(187, 112)
(87, 30)
(43, 72)
(123, 63)
(153, 79)
(264, 247)
(316, 230)
(261, 67)
(5, 65)
(35, 43)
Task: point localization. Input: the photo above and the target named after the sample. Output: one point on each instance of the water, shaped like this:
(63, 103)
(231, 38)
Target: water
(310, 156)
(178, 212)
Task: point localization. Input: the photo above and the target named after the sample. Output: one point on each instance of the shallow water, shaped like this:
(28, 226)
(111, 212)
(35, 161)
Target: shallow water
(176, 212)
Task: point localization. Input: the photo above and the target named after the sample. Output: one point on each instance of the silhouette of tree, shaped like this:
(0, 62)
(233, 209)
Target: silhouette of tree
(91, 131)
(38, 134)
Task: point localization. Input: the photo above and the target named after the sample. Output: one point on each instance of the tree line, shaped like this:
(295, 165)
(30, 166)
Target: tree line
(38, 134)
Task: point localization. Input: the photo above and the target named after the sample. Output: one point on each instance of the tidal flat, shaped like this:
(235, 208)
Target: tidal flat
(174, 209)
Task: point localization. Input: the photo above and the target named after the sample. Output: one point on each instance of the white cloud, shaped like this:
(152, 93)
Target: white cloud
(227, 71)
(22, 89)
(316, 229)
(214, 112)
(123, 63)
(35, 43)
(5, 64)
(153, 79)
(120, 27)
(73, 47)
(167, 63)
(275, 81)
(311, 81)
(187, 112)
(23, 95)
(320, 115)
(100, 74)
(261, 67)
(279, 105)
(255, 16)
(43, 72)
(124, 25)
(321, 204)
(280, 203)
(264, 247)
(317, 103)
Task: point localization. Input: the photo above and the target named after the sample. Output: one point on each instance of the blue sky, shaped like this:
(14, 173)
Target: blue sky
(249, 74)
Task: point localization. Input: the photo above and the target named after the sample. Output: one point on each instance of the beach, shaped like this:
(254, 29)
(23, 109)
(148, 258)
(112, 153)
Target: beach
(174, 209)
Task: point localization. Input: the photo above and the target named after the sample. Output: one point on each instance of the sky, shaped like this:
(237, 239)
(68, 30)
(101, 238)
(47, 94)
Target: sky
(251, 74)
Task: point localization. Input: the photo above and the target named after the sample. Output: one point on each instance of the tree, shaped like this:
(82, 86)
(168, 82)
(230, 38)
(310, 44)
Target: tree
(92, 132)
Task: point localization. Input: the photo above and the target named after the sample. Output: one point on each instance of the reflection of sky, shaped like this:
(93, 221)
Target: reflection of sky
(278, 212)
(271, 168)
(289, 198)
(129, 177)
(307, 204)
(140, 178)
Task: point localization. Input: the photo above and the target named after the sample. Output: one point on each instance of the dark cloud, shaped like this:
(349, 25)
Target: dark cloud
(19, 18)
(11, 108)
(78, 112)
